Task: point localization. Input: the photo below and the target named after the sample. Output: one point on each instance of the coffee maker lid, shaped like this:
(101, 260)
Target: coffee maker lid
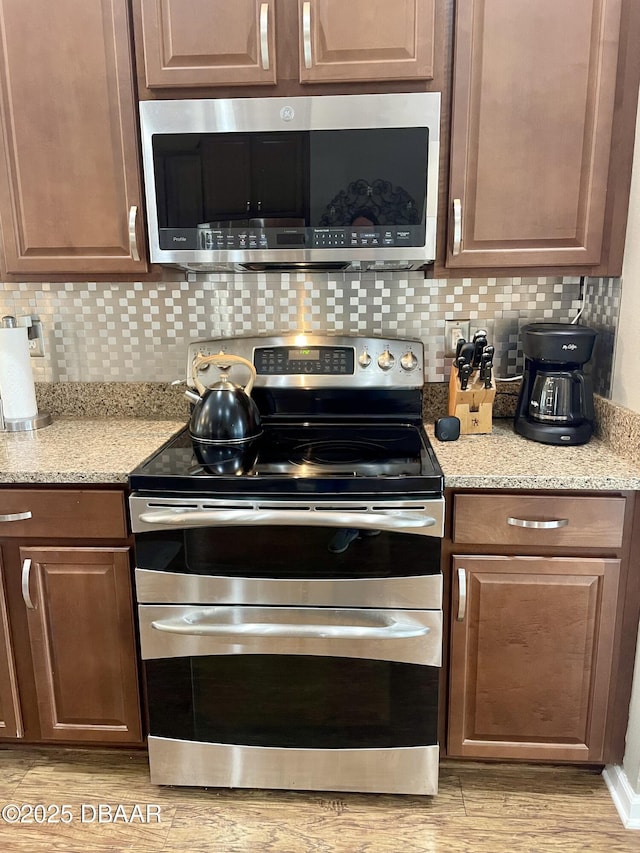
(561, 343)
(555, 329)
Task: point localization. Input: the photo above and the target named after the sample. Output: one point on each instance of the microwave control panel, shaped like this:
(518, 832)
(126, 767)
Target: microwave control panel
(226, 239)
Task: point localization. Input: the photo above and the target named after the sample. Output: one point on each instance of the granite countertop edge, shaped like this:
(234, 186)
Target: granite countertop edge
(102, 451)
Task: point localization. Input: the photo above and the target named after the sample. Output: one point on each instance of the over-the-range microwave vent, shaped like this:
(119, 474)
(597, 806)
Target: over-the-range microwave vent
(354, 266)
(332, 182)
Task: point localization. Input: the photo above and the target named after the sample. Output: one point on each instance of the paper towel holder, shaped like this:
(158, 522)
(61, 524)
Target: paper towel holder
(41, 419)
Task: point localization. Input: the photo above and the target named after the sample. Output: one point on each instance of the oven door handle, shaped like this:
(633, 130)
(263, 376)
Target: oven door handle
(307, 517)
(384, 628)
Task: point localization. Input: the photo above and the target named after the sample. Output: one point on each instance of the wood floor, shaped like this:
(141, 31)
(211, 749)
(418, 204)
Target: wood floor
(481, 808)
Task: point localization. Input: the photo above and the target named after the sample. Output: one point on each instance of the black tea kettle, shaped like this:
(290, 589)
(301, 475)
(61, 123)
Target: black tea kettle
(224, 413)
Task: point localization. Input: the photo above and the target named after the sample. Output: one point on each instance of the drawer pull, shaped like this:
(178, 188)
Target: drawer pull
(554, 524)
(16, 516)
(462, 594)
(26, 595)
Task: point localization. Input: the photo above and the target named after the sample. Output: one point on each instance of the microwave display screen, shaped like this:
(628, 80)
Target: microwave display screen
(279, 189)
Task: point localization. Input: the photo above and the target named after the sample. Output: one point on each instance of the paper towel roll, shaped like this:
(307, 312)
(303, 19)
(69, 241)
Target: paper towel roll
(17, 390)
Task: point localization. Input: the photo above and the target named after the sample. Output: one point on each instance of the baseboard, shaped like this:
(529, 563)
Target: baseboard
(624, 797)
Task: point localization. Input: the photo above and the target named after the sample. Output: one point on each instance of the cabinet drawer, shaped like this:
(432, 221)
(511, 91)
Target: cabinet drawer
(539, 520)
(62, 514)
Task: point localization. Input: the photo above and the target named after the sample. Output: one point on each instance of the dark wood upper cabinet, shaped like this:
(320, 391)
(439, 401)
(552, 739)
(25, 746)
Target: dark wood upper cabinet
(208, 42)
(217, 43)
(531, 140)
(70, 190)
(365, 40)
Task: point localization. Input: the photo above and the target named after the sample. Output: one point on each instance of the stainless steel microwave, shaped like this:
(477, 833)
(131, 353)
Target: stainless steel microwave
(342, 182)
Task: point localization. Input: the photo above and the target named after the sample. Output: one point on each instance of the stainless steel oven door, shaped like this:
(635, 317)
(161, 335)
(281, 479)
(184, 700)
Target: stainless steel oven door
(293, 697)
(341, 563)
(408, 636)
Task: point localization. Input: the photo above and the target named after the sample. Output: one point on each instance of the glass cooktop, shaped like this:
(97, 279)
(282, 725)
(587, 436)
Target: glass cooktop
(299, 458)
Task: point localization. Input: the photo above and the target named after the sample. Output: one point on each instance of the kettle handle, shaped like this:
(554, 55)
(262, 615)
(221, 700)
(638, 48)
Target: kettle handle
(222, 359)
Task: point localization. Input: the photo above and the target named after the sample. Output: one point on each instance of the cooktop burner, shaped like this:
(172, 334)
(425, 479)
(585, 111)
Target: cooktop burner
(330, 452)
(299, 458)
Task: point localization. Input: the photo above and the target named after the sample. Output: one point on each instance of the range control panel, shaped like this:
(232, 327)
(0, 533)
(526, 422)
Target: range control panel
(317, 361)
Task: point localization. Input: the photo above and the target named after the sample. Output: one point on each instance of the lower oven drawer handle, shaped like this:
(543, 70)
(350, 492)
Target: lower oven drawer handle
(393, 520)
(392, 631)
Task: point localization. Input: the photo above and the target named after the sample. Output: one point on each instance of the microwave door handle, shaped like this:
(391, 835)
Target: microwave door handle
(264, 36)
(306, 35)
(392, 520)
(211, 623)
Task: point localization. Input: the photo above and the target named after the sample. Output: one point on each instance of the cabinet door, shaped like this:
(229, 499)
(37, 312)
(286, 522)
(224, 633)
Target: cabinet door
(365, 40)
(10, 713)
(531, 652)
(208, 42)
(533, 101)
(80, 618)
(70, 192)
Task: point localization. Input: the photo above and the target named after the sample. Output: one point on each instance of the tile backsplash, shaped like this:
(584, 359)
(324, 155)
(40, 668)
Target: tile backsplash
(138, 332)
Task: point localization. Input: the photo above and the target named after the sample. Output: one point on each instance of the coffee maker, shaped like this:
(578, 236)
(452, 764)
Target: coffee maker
(555, 405)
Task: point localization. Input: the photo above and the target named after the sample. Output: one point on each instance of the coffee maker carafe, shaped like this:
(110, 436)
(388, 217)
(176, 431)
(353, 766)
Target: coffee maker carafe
(555, 405)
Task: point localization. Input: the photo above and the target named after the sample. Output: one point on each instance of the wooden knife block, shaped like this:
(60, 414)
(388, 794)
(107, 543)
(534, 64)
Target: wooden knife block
(474, 406)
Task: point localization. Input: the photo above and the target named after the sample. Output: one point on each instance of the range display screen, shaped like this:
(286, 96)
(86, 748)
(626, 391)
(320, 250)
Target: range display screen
(325, 361)
(304, 354)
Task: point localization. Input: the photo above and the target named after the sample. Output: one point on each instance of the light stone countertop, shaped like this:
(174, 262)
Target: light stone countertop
(104, 450)
(81, 450)
(504, 460)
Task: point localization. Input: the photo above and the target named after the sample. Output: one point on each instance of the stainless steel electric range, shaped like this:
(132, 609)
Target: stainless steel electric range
(289, 591)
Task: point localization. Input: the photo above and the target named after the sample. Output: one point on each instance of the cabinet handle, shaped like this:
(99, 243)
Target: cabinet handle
(26, 595)
(306, 34)
(16, 516)
(264, 35)
(457, 226)
(554, 524)
(462, 594)
(133, 239)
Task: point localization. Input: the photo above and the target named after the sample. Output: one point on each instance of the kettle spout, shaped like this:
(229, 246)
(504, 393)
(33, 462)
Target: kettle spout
(193, 396)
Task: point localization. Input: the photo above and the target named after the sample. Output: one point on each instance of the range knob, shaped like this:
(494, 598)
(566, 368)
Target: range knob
(364, 359)
(386, 360)
(408, 361)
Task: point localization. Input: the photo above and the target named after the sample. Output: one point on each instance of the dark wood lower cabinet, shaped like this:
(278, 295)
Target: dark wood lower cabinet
(532, 643)
(82, 643)
(10, 714)
(68, 659)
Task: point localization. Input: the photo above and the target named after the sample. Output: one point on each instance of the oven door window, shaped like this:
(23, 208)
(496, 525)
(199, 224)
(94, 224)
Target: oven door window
(293, 701)
(288, 552)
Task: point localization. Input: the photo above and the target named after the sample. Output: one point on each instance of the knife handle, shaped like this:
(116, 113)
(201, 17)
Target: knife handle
(465, 373)
(487, 374)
